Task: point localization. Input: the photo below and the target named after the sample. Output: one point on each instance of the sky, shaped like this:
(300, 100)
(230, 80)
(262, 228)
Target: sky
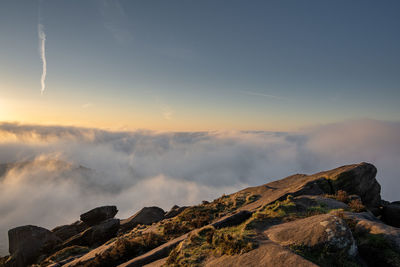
(110, 102)
(199, 65)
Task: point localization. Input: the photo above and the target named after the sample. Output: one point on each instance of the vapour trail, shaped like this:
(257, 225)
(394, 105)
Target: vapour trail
(42, 39)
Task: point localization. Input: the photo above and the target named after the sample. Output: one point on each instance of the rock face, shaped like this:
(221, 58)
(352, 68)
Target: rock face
(97, 215)
(26, 243)
(391, 214)
(359, 181)
(321, 231)
(147, 215)
(95, 235)
(67, 231)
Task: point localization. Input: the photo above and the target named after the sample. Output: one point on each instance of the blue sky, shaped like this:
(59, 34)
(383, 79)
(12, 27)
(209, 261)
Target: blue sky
(200, 65)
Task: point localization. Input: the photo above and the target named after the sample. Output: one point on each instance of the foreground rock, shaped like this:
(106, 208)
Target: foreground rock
(326, 232)
(97, 215)
(147, 215)
(267, 254)
(27, 243)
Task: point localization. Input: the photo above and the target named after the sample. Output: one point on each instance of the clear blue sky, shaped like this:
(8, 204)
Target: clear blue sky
(200, 65)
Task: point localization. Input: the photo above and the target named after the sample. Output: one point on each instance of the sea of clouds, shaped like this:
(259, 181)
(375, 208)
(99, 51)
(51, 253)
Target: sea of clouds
(66, 171)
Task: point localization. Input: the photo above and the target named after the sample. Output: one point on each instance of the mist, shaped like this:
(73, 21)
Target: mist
(65, 171)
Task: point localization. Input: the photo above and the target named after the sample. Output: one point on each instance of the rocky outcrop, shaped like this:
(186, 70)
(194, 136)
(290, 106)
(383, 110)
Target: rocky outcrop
(356, 179)
(359, 180)
(301, 220)
(27, 243)
(97, 215)
(95, 235)
(147, 215)
(65, 232)
(391, 214)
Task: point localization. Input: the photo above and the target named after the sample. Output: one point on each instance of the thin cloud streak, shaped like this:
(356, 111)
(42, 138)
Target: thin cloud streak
(263, 95)
(42, 39)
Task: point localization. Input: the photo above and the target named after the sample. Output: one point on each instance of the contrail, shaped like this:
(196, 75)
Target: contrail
(42, 39)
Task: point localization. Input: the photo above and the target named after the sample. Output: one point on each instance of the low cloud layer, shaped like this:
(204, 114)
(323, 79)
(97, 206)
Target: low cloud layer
(66, 171)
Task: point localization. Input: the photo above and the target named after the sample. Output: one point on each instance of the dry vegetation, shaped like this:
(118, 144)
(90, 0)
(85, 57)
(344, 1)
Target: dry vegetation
(209, 241)
(355, 204)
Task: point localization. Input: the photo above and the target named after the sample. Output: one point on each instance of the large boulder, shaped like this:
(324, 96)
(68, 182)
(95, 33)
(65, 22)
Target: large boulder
(391, 214)
(326, 232)
(67, 231)
(97, 215)
(94, 235)
(147, 215)
(27, 243)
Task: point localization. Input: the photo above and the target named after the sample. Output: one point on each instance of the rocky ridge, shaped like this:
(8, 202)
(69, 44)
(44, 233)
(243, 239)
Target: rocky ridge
(331, 218)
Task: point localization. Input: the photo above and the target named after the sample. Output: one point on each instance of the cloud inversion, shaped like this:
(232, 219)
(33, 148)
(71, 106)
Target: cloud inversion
(70, 170)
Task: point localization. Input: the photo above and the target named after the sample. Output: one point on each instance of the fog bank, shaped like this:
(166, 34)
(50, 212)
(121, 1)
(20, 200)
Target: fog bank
(68, 170)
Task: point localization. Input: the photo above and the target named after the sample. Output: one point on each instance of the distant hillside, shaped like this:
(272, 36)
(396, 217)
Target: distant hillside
(331, 218)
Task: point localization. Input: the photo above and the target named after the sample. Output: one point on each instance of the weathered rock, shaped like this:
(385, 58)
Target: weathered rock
(378, 243)
(97, 215)
(175, 211)
(268, 254)
(356, 179)
(95, 235)
(27, 243)
(232, 220)
(147, 215)
(359, 181)
(67, 231)
(391, 214)
(321, 231)
(365, 222)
